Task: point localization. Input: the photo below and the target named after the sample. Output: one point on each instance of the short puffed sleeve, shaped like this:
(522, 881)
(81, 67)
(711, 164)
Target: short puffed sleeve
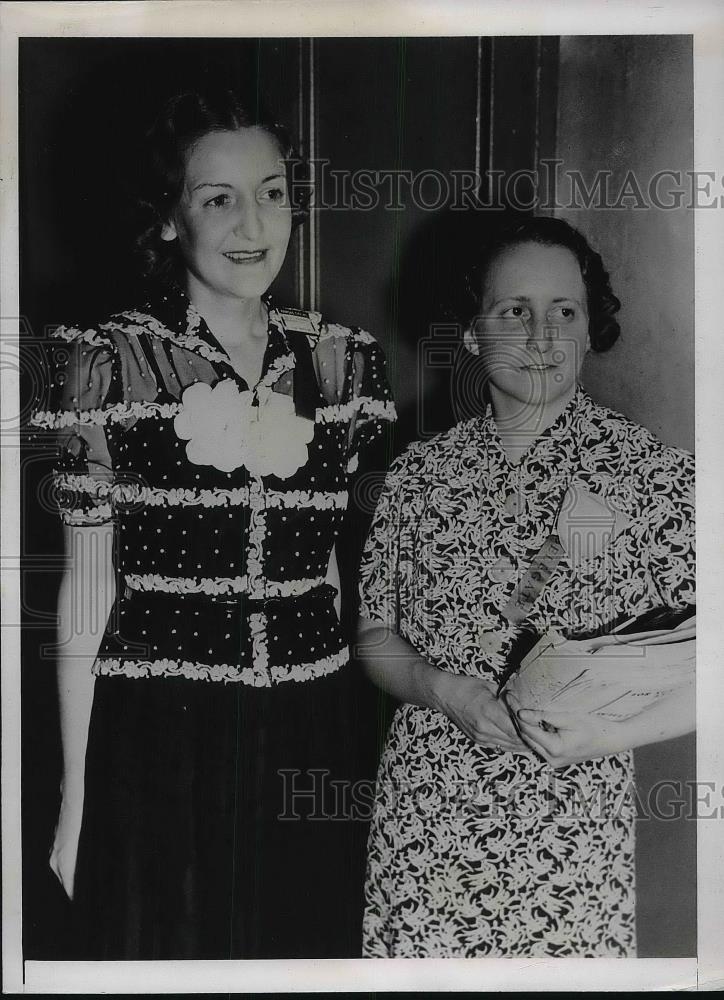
(670, 479)
(381, 572)
(371, 399)
(350, 369)
(80, 402)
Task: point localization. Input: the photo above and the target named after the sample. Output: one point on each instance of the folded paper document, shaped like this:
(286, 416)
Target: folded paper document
(616, 676)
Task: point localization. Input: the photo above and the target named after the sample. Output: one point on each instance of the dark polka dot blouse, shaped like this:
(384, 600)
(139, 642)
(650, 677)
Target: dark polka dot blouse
(226, 498)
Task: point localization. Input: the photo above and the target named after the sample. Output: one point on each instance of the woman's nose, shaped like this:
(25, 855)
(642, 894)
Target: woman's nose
(248, 223)
(541, 333)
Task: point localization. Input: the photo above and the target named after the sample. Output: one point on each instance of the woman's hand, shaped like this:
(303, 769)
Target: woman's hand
(471, 704)
(569, 737)
(64, 851)
(563, 738)
(87, 590)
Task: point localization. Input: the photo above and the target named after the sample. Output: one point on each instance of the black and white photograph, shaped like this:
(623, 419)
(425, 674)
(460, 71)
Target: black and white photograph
(360, 386)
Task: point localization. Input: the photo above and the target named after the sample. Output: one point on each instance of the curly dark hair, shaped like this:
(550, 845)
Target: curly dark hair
(184, 120)
(546, 231)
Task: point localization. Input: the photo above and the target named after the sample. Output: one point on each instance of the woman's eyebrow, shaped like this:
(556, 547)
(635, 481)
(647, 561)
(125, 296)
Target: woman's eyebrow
(511, 298)
(213, 184)
(222, 184)
(526, 298)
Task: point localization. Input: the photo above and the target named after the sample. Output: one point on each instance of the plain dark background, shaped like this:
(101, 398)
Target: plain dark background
(417, 104)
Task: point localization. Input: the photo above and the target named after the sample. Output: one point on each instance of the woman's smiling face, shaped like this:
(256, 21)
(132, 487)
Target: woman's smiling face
(233, 220)
(533, 328)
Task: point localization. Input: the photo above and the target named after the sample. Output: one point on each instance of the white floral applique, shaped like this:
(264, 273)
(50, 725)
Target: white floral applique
(225, 429)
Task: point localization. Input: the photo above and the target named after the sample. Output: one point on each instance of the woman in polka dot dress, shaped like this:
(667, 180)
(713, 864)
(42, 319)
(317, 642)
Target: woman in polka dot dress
(206, 443)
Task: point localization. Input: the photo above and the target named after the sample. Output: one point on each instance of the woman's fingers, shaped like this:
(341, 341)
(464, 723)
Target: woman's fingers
(54, 867)
(486, 732)
(508, 746)
(512, 730)
(502, 718)
(528, 728)
(503, 741)
(546, 743)
(64, 872)
(547, 719)
(512, 706)
(485, 719)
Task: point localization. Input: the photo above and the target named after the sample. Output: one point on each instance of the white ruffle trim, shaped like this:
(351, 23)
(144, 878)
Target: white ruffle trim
(336, 413)
(343, 412)
(276, 370)
(259, 650)
(110, 414)
(134, 322)
(292, 588)
(102, 514)
(193, 320)
(316, 668)
(303, 498)
(187, 584)
(216, 586)
(226, 672)
(143, 323)
(344, 332)
(73, 334)
(257, 532)
(153, 496)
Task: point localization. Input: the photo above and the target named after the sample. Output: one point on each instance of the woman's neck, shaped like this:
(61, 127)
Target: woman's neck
(519, 424)
(233, 321)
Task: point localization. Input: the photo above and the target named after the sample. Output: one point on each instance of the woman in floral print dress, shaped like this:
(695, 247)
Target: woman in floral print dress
(497, 832)
(206, 442)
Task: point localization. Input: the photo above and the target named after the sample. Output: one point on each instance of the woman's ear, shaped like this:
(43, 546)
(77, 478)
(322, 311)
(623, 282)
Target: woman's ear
(469, 341)
(168, 231)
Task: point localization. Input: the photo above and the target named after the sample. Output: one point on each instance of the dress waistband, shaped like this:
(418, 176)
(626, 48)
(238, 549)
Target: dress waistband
(317, 592)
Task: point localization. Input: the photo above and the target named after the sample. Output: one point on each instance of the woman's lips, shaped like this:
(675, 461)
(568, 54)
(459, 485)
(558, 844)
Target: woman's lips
(537, 368)
(245, 256)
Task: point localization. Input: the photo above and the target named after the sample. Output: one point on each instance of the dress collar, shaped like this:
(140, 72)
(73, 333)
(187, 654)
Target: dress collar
(546, 449)
(172, 307)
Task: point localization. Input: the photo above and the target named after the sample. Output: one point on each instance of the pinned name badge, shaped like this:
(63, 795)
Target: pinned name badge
(299, 321)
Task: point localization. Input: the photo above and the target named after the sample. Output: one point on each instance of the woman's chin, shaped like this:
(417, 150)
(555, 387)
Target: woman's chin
(535, 394)
(248, 284)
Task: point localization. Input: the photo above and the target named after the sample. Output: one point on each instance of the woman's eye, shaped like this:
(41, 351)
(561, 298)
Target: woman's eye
(273, 194)
(565, 312)
(515, 312)
(218, 201)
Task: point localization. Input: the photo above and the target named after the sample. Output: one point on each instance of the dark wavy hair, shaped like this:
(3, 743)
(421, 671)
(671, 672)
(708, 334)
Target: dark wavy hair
(546, 231)
(184, 120)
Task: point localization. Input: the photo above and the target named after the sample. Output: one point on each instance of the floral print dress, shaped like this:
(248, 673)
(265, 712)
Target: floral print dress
(482, 852)
(222, 682)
